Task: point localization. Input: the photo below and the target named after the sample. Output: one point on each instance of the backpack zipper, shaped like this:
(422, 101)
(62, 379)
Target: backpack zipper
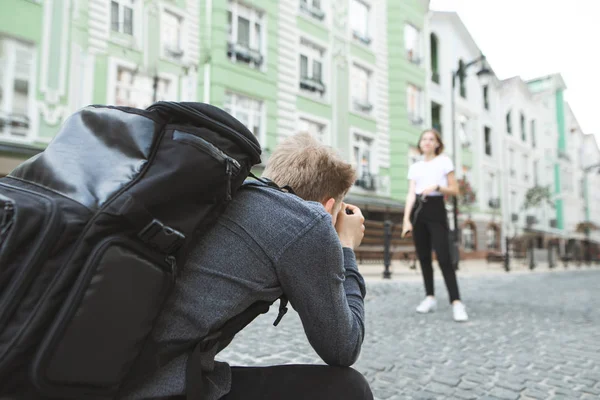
(232, 166)
(189, 110)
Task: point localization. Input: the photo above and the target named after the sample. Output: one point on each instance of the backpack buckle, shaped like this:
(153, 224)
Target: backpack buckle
(162, 237)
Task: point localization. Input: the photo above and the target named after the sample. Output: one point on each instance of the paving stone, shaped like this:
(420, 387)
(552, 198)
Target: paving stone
(530, 336)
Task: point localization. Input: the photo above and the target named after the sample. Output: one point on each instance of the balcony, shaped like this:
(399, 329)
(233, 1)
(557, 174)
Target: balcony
(363, 106)
(361, 38)
(244, 53)
(367, 182)
(494, 203)
(312, 11)
(312, 85)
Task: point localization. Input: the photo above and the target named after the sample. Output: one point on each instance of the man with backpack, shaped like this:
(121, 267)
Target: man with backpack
(132, 251)
(270, 243)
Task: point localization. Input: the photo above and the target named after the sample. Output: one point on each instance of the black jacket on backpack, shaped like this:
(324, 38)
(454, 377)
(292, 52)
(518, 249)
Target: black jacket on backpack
(92, 231)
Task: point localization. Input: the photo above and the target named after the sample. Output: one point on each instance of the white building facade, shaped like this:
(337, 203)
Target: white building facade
(478, 144)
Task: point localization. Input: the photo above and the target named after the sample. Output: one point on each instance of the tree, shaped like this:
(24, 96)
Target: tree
(536, 196)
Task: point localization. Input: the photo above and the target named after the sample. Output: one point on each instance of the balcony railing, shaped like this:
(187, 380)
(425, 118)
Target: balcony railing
(366, 181)
(244, 53)
(363, 106)
(312, 85)
(361, 38)
(314, 12)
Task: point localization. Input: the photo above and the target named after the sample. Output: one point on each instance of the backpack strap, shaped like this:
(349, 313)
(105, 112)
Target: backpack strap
(193, 378)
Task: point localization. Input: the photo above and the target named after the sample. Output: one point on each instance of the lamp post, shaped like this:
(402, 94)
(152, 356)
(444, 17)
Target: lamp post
(460, 72)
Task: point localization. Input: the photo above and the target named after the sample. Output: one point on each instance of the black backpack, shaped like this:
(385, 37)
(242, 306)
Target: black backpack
(92, 231)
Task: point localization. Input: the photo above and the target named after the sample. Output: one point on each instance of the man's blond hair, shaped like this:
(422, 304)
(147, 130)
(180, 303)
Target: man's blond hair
(313, 170)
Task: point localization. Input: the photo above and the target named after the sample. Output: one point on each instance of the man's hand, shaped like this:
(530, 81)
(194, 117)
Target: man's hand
(350, 226)
(428, 190)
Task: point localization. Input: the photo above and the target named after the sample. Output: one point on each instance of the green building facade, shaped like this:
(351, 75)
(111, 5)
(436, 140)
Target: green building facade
(338, 69)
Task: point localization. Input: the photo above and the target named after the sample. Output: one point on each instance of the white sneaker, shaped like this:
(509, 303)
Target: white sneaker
(459, 312)
(427, 305)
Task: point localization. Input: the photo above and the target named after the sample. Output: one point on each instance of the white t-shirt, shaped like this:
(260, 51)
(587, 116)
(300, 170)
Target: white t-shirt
(431, 173)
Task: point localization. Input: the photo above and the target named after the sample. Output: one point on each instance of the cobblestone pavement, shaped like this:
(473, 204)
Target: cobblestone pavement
(533, 336)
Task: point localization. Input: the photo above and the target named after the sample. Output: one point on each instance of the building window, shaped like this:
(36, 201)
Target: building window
(463, 131)
(16, 89)
(316, 129)
(487, 133)
(246, 35)
(248, 111)
(532, 133)
(312, 8)
(486, 97)
(171, 27)
(359, 21)
(462, 79)
(361, 89)
(136, 90)
(525, 168)
(535, 173)
(523, 135)
(121, 16)
(311, 68)
(509, 123)
(493, 238)
(436, 117)
(492, 191)
(412, 43)
(513, 202)
(414, 104)
(435, 69)
(468, 237)
(511, 162)
(362, 157)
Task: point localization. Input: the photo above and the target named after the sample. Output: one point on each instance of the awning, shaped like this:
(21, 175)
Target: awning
(375, 203)
(13, 154)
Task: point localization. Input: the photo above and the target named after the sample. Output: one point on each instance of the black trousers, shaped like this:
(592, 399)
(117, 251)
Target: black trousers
(290, 382)
(430, 232)
(296, 382)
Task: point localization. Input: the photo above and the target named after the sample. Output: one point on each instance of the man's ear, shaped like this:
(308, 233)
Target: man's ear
(329, 205)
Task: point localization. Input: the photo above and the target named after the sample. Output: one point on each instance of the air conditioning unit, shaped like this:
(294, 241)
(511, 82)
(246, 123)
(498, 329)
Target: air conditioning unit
(553, 223)
(514, 217)
(531, 219)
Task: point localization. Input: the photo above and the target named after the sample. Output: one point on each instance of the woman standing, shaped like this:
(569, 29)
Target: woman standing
(429, 180)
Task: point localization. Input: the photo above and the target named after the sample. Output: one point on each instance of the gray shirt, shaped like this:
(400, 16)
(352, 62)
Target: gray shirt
(265, 244)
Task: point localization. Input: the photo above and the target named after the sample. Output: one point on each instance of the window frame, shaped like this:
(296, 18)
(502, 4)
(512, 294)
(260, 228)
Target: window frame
(310, 118)
(356, 106)
(9, 52)
(312, 87)
(418, 118)
(363, 38)
(487, 141)
(262, 114)
(180, 15)
(255, 52)
(113, 82)
(372, 166)
(417, 58)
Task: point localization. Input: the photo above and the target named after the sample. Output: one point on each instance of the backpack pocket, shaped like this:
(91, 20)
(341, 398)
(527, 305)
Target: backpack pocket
(28, 225)
(105, 321)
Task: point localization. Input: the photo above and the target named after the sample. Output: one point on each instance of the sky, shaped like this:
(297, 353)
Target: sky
(532, 38)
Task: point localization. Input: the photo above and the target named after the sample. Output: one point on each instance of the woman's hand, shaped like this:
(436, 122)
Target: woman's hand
(406, 228)
(428, 190)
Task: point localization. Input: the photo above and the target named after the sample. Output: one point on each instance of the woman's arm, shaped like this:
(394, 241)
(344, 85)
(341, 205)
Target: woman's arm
(410, 200)
(452, 188)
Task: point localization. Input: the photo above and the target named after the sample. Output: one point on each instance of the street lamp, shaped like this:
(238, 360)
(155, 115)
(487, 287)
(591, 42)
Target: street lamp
(483, 73)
